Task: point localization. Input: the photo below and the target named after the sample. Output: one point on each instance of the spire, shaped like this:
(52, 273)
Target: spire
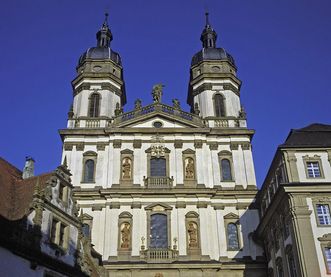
(208, 35)
(104, 36)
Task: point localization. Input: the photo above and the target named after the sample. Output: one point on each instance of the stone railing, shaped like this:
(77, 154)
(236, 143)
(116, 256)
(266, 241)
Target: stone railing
(92, 123)
(158, 182)
(159, 255)
(157, 107)
(88, 122)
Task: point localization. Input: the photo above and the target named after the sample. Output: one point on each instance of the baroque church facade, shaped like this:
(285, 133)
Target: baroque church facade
(162, 191)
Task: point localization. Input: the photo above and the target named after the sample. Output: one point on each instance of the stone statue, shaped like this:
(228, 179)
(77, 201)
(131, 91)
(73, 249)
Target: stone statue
(242, 113)
(125, 236)
(118, 110)
(126, 168)
(176, 104)
(189, 169)
(193, 235)
(137, 104)
(157, 93)
(196, 109)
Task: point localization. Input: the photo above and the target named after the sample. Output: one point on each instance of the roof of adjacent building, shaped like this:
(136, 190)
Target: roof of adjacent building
(17, 193)
(313, 135)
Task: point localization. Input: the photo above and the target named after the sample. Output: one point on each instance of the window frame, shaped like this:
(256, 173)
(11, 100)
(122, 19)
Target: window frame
(325, 242)
(321, 201)
(319, 224)
(89, 155)
(223, 108)
(55, 237)
(158, 208)
(315, 159)
(232, 218)
(96, 112)
(228, 156)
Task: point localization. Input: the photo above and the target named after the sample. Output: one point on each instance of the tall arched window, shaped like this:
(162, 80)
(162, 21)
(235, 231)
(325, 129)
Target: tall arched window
(94, 105)
(233, 242)
(219, 105)
(89, 171)
(226, 170)
(158, 167)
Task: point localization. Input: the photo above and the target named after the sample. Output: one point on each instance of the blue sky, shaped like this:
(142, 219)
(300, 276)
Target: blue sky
(282, 50)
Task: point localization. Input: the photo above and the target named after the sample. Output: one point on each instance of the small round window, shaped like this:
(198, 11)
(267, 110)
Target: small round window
(157, 124)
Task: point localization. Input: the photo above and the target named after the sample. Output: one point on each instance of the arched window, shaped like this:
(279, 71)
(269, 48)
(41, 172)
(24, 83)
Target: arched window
(226, 170)
(219, 105)
(158, 167)
(89, 171)
(233, 242)
(94, 105)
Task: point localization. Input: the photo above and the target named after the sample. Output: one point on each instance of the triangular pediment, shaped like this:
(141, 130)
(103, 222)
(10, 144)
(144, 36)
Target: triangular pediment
(231, 216)
(158, 116)
(158, 207)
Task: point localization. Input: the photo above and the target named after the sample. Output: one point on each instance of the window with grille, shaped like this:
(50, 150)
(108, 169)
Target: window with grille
(94, 105)
(226, 170)
(313, 169)
(219, 105)
(323, 214)
(89, 171)
(327, 253)
(158, 167)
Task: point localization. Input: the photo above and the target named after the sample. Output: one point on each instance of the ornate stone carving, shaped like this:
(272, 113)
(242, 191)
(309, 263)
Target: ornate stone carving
(68, 146)
(213, 146)
(101, 146)
(137, 104)
(137, 143)
(157, 93)
(176, 104)
(198, 143)
(196, 110)
(157, 147)
(125, 235)
(192, 234)
(178, 143)
(80, 146)
(234, 146)
(126, 168)
(246, 146)
(189, 168)
(117, 143)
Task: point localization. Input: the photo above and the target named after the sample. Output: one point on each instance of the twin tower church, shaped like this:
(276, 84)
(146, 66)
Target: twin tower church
(163, 191)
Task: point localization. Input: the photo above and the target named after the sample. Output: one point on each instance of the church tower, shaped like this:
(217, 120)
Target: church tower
(214, 88)
(98, 88)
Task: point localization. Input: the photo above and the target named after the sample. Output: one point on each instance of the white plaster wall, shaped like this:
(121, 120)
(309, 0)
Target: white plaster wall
(107, 102)
(206, 102)
(302, 170)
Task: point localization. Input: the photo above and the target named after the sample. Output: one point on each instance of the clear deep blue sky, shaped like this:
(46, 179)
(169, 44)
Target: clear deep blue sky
(282, 50)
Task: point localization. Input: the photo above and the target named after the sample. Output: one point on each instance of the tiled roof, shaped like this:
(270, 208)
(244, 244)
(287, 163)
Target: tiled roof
(16, 194)
(314, 135)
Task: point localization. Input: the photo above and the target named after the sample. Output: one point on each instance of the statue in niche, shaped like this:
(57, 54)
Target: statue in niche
(157, 93)
(125, 235)
(193, 235)
(126, 168)
(137, 104)
(196, 109)
(176, 104)
(189, 168)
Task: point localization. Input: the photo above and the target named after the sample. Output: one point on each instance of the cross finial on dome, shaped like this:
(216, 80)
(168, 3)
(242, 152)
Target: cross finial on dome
(207, 18)
(105, 23)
